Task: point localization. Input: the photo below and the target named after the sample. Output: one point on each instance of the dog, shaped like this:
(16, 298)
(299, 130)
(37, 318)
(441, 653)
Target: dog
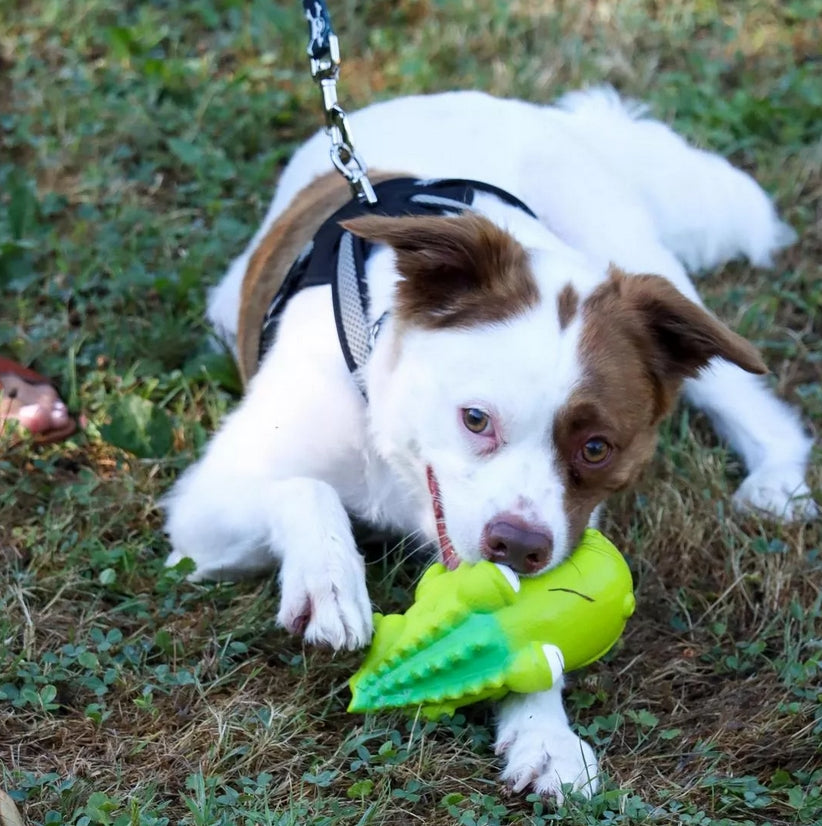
(522, 347)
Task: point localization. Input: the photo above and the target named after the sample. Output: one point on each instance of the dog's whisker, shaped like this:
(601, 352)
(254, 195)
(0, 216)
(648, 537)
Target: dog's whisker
(403, 551)
(402, 544)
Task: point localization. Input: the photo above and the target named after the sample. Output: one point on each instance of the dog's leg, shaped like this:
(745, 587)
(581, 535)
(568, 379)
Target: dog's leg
(322, 575)
(271, 484)
(306, 528)
(540, 748)
(299, 522)
(766, 433)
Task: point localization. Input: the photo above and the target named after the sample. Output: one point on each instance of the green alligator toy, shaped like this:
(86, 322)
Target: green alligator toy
(480, 631)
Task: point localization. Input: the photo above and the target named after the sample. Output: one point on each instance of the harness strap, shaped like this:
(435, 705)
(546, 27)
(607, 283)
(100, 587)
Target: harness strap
(338, 257)
(349, 294)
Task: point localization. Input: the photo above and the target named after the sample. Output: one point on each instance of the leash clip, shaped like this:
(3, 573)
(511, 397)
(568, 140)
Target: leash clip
(324, 60)
(327, 65)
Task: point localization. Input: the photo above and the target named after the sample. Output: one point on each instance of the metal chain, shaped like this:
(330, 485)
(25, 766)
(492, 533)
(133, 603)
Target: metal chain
(324, 54)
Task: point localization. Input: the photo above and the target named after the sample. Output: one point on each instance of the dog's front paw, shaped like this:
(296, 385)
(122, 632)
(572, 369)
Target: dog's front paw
(327, 606)
(778, 492)
(549, 763)
(540, 749)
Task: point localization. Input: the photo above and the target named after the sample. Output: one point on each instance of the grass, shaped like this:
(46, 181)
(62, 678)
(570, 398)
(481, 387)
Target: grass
(139, 144)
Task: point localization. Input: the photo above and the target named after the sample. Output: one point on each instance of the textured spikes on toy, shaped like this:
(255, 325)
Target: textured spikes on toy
(451, 659)
(480, 631)
(412, 639)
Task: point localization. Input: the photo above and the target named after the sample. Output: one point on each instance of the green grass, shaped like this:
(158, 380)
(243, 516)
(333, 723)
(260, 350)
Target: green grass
(139, 145)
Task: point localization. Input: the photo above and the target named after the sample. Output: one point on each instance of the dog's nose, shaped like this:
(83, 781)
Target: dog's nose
(523, 547)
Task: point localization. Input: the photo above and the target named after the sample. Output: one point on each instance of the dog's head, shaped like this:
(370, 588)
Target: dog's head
(520, 388)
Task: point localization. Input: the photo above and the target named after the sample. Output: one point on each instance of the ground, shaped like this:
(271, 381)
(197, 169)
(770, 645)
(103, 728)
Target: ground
(139, 144)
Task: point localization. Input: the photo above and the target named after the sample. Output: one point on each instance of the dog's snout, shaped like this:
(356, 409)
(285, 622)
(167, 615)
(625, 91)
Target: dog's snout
(525, 548)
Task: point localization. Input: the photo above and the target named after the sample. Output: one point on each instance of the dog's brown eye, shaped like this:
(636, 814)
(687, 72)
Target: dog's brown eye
(475, 419)
(596, 451)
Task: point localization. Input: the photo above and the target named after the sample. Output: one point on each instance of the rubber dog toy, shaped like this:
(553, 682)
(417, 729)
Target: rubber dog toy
(480, 631)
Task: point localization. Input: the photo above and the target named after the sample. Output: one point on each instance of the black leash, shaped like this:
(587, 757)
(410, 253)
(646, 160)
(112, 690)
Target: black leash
(320, 31)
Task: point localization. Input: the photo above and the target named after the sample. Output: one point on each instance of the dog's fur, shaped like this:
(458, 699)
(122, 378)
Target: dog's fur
(533, 322)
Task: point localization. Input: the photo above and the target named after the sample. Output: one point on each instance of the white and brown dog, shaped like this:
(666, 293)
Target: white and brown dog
(518, 377)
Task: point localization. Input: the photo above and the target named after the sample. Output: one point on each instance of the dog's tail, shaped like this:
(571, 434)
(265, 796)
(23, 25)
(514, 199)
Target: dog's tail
(706, 211)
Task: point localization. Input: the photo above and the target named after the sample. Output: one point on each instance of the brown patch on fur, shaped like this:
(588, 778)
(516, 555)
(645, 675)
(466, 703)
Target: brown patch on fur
(278, 250)
(641, 338)
(673, 337)
(621, 420)
(567, 305)
(457, 271)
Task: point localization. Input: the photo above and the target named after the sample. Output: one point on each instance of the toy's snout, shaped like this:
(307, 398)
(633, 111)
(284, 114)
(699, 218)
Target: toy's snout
(509, 540)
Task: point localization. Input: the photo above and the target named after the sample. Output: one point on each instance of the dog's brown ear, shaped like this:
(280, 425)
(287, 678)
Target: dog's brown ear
(457, 271)
(683, 336)
(675, 337)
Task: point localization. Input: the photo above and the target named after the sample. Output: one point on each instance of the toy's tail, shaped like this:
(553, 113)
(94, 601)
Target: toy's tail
(705, 210)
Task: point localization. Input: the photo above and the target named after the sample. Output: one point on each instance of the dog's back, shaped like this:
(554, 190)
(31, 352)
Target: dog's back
(593, 167)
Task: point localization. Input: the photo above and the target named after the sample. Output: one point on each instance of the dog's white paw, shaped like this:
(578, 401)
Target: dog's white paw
(541, 751)
(779, 492)
(328, 606)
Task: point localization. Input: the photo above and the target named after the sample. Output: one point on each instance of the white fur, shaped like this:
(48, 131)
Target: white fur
(416, 395)
(302, 450)
(541, 750)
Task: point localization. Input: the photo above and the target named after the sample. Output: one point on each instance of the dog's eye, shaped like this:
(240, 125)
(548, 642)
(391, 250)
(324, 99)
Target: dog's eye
(476, 420)
(595, 451)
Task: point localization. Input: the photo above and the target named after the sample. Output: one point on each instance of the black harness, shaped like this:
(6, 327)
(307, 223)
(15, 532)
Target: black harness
(337, 257)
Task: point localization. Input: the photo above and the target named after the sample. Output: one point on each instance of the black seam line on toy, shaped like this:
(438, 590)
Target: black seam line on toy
(572, 591)
(338, 258)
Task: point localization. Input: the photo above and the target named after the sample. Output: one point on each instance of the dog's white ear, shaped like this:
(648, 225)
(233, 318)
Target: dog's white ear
(676, 336)
(457, 271)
